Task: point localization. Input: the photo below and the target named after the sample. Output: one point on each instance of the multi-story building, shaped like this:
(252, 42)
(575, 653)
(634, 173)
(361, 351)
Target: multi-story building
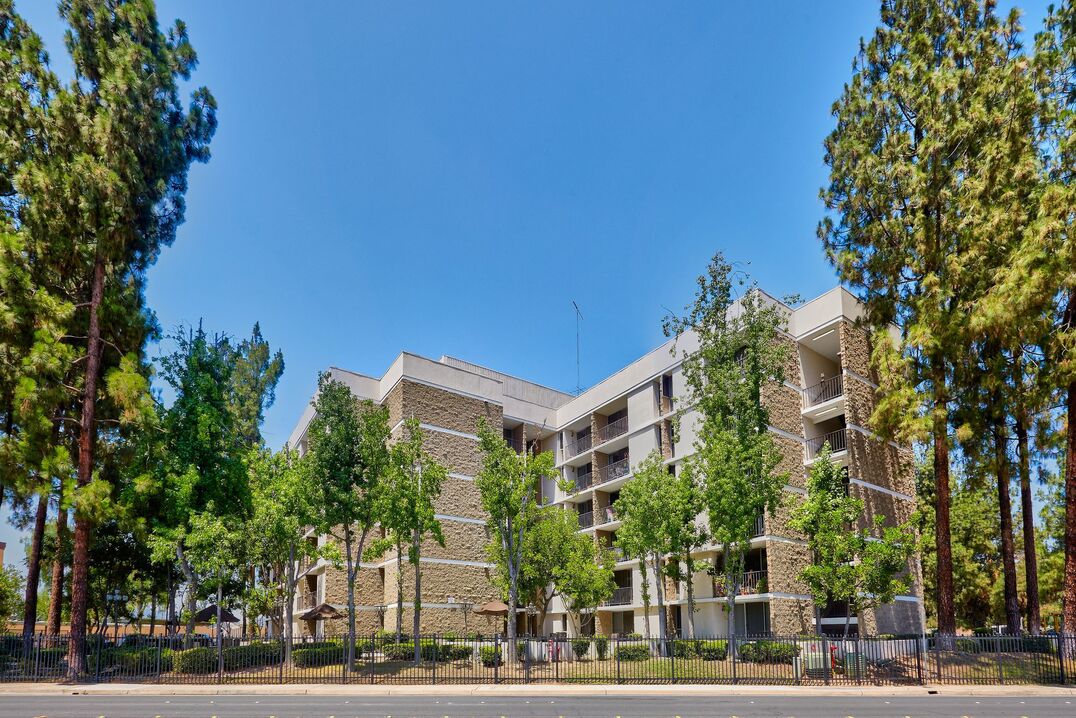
(598, 437)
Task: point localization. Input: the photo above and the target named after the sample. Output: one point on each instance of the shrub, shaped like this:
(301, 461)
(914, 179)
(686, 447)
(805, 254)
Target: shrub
(254, 655)
(632, 636)
(633, 652)
(454, 651)
(580, 646)
(713, 650)
(133, 660)
(490, 656)
(399, 651)
(686, 649)
(967, 645)
(601, 645)
(318, 656)
(195, 660)
(768, 652)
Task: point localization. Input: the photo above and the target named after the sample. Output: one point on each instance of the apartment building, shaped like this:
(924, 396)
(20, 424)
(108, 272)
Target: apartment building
(598, 437)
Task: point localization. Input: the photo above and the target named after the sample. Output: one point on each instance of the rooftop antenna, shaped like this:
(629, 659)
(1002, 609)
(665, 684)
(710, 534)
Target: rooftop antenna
(578, 374)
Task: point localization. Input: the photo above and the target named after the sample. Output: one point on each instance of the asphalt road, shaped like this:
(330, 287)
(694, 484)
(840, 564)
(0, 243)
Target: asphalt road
(127, 706)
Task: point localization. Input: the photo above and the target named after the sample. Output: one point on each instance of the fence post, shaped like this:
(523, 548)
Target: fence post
(496, 658)
(919, 658)
(97, 662)
(827, 659)
(158, 659)
(526, 660)
(616, 654)
(672, 661)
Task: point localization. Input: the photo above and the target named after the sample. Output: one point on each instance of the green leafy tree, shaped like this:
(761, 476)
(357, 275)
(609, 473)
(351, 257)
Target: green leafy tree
(864, 566)
(285, 504)
(100, 203)
(644, 509)
(738, 355)
(686, 535)
(508, 484)
(930, 132)
(200, 471)
(255, 373)
(348, 457)
(10, 593)
(410, 487)
(585, 578)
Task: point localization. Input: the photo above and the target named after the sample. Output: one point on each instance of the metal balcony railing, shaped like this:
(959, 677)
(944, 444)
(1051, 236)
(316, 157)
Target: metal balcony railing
(606, 515)
(760, 525)
(586, 519)
(621, 597)
(577, 447)
(612, 430)
(837, 440)
(305, 564)
(515, 444)
(612, 471)
(308, 600)
(825, 390)
(751, 582)
(583, 481)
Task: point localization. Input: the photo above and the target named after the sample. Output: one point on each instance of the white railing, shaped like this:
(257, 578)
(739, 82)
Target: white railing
(837, 440)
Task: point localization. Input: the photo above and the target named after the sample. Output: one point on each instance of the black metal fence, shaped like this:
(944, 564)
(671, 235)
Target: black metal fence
(447, 659)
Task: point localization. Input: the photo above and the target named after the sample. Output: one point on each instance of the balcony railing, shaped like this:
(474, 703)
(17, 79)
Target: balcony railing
(665, 404)
(837, 440)
(825, 390)
(308, 600)
(586, 519)
(577, 447)
(751, 582)
(612, 471)
(305, 564)
(760, 525)
(621, 597)
(612, 430)
(515, 444)
(606, 515)
(583, 481)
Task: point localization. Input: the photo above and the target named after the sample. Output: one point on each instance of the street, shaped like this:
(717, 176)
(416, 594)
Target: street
(758, 706)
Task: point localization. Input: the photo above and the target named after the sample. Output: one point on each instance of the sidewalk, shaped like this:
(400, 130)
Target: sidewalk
(545, 689)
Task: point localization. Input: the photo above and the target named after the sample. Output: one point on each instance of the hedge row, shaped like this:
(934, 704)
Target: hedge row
(767, 652)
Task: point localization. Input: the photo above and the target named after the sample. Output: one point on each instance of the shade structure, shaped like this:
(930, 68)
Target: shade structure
(319, 613)
(209, 613)
(493, 608)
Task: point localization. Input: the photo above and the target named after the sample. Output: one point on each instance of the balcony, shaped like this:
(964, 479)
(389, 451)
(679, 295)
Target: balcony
(751, 583)
(665, 404)
(612, 472)
(577, 447)
(583, 481)
(837, 440)
(760, 526)
(612, 430)
(621, 597)
(515, 445)
(825, 390)
(586, 519)
(307, 600)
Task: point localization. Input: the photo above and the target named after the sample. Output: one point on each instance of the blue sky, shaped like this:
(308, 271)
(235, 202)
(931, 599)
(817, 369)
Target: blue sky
(446, 178)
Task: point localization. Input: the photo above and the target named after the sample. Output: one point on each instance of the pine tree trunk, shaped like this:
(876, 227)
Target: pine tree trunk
(1027, 510)
(942, 531)
(80, 570)
(56, 592)
(1008, 547)
(33, 573)
(1068, 617)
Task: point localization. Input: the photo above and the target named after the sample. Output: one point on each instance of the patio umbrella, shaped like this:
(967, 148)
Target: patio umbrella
(318, 613)
(493, 608)
(209, 613)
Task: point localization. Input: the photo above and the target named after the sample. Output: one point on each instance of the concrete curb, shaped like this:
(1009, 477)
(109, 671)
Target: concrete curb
(45, 689)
